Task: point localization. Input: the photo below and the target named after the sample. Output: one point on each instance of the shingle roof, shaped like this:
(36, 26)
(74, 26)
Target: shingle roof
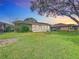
(38, 23)
(59, 25)
(2, 23)
(63, 25)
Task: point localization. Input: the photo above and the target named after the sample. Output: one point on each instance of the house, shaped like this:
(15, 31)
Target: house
(59, 26)
(2, 27)
(73, 27)
(5, 27)
(33, 25)
(36, 26)
(64, 27)
(39, 27)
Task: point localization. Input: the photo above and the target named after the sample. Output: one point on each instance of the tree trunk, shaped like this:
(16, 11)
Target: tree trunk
(74, 19)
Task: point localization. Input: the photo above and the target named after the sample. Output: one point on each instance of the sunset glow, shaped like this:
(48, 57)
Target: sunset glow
(59, 19)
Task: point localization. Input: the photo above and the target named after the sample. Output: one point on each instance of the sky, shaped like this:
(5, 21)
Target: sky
(11, 10)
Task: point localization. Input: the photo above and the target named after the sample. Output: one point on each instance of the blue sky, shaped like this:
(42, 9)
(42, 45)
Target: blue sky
(10, 10)
(20, 9)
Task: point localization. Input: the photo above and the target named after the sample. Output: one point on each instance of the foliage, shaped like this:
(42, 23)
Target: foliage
(30, 20)
(57, 7)
(17, 22)
(9, 28)
(21, 28)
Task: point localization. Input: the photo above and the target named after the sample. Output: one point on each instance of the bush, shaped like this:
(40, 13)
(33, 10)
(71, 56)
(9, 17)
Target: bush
(9, 29)
(21, 28)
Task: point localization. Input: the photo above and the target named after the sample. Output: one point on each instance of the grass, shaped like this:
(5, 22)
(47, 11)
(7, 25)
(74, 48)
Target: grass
(55, 45)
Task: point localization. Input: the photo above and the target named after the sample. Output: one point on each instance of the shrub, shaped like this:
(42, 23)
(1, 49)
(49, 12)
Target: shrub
(9, 29)
(21, 28)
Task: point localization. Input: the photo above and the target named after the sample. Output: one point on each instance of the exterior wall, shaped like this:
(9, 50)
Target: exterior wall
(67, 28)
(64, 28)
(77, 28)
(30, 27)
(40, 28)
(2, 28)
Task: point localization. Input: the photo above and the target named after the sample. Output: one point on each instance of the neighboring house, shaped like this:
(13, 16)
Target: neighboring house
(64, 27)
(73, 27)
(39, 27)
(59, 26)
(2, 27)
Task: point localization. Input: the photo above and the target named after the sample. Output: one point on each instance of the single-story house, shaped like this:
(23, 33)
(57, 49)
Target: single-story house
(64, 27)
(36, 26)
(2, 27)
(39, 27)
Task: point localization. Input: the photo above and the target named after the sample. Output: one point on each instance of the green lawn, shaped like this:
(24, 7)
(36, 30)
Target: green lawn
(55, 45)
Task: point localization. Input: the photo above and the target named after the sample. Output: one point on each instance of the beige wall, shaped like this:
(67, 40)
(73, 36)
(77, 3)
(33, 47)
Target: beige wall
(64, 28)
(67, 28)
(40, 28)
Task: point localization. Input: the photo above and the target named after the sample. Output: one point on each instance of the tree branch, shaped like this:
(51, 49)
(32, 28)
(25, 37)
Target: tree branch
(74, 19)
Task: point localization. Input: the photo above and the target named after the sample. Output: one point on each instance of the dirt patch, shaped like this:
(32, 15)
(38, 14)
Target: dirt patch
(7, 41)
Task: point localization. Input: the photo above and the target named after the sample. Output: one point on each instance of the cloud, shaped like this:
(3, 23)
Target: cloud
(59, 19)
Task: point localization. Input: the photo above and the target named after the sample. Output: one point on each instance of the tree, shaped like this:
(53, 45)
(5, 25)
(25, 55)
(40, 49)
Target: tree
(20, 26)
(30, 20)
(17, 22)
(57, 7)
(9, 28)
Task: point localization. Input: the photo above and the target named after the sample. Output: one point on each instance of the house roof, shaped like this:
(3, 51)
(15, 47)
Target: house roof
(63, 25)
(2, 23)
(37, 23)
(59, 25)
